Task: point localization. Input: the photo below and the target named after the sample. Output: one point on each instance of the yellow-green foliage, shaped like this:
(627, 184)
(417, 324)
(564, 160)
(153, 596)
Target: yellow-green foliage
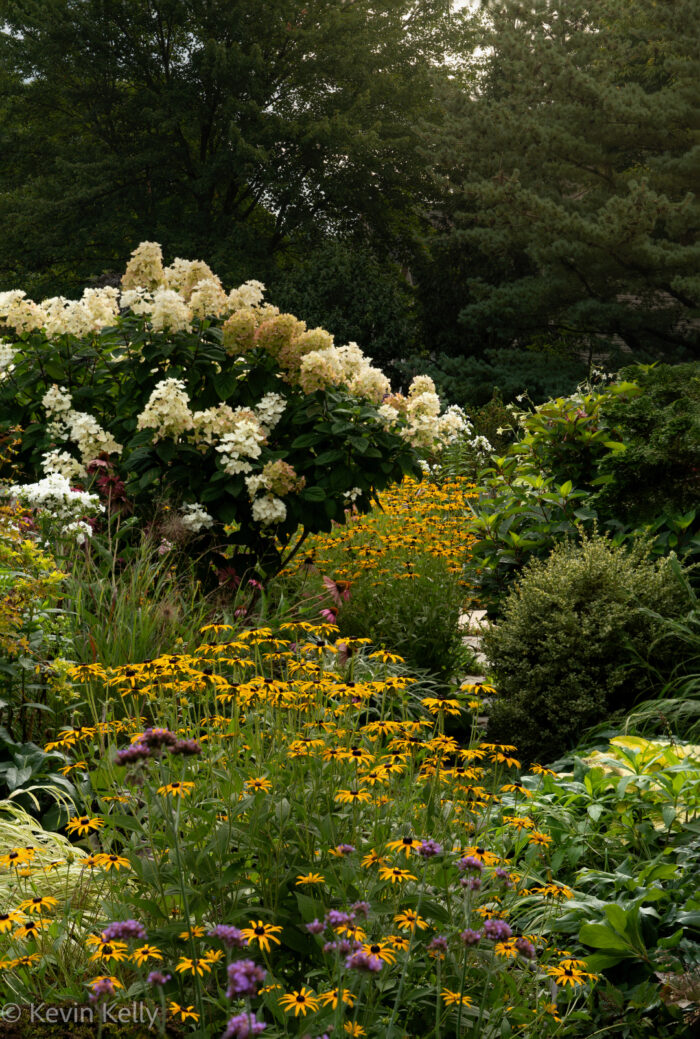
(29, 581)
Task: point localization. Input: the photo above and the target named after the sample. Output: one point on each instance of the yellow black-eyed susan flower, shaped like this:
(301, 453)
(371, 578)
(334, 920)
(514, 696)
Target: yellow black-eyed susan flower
(309, 878)
(382, 950)
(408, 920)
(396, 875)
(39, 904)
(144, 953)
(8, 920)
(353, 796)
(184, 1013)
(300, 1001)
(563, 975)
(193, 965)
(404, 844)
(183, 788)
(450, 998)
(262, 933)
(84, 825)
(112, 861)
(334, 996)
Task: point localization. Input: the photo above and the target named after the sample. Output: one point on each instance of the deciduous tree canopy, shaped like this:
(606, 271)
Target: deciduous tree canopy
(220, 128)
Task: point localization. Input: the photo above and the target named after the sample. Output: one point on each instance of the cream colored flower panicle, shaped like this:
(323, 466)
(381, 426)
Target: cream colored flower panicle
(370, 383)
(167, 411)
(184, 275)
(208, 299)
(7, 356)
(210, 425)
(139, 301)
(92, 440)
(388, 416)
(269, 510)
(320, 370)
(421, 384)
(194, 518)
(19, 312)
(64, 464)
(242, 443)
(270, 409)
(57, 401)
(360, 377)
(102, 305)
(169, 312)
(250, 294)
(145, 268)
(452, 423)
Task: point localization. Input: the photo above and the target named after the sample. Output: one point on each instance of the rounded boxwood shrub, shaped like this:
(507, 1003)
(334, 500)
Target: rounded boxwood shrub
(574, 645)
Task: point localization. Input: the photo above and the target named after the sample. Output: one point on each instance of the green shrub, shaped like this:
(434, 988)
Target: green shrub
(659, 470)
(573, 646)
(412, 607)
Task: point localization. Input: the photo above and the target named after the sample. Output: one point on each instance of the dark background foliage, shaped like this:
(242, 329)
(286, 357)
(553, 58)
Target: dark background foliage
(503, 191)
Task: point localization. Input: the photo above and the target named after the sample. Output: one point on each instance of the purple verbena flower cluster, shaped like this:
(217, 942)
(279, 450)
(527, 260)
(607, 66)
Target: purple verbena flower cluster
(243, 1026)
(497, 930)
(229, 935)
(364, 961)
(123, 930)
(244, 978)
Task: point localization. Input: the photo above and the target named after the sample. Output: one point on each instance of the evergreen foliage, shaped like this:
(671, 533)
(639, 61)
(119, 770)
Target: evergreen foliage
(568, 169)
(571, 648)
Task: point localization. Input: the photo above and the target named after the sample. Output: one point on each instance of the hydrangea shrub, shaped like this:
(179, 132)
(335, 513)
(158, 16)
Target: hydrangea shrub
(215, 403)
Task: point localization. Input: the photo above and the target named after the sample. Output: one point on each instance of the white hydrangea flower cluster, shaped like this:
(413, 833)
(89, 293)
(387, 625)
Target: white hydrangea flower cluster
(276, 480)
(167, 410)
(54, 497)
(169, 312)
(194, 518)
(64, 464)
(210, 425)
(249, 294)
(424, 428)
(321, 370)
(57, 402)
(270, 410)
(242, 443)
(85, 431)
(165, 309)
(20, 313)
(98, 308)
(7, 356)
(145, 268)
(334, 366)
(269, 510)
(452, 423)
(91, 439)
(208, 299)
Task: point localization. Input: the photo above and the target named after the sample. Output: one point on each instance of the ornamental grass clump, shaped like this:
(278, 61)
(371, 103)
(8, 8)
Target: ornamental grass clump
(576, 641)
